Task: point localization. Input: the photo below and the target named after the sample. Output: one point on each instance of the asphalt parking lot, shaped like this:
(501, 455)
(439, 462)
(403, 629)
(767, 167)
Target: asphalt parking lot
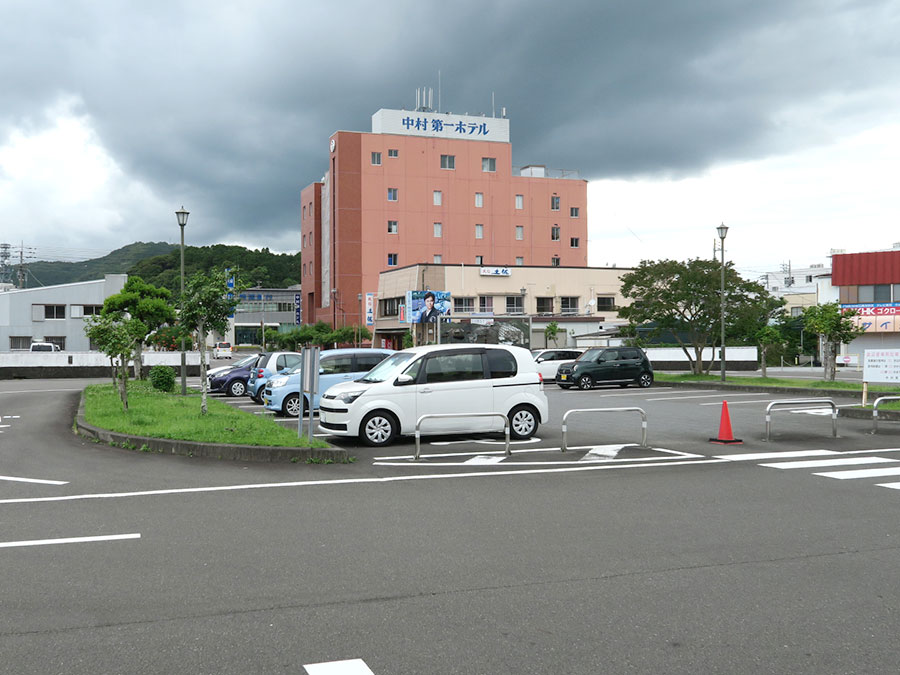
(774, 556)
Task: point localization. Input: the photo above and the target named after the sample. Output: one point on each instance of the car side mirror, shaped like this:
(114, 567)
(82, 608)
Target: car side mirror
(403, 379)
(540, 359)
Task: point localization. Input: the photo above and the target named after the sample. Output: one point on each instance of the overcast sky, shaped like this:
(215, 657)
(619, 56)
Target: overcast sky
(777, 117)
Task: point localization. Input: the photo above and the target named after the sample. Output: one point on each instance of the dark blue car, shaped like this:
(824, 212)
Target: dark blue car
(233, 382)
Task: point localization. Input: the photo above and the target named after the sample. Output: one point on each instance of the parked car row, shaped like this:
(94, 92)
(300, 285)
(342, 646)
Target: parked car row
(379, 394)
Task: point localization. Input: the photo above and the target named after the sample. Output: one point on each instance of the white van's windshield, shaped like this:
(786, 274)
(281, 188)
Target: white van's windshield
(387, 368)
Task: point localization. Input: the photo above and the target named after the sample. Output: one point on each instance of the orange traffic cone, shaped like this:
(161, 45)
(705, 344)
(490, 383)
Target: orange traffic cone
(725, 435)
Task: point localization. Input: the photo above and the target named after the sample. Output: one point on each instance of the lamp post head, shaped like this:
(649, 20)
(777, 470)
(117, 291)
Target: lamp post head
(182, 216)
(722, 230)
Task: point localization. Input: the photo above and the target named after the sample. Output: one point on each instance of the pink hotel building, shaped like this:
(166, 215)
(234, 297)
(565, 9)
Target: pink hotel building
(427, 187)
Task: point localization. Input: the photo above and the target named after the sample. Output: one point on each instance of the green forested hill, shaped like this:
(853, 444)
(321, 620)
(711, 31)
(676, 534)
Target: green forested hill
(120, 261)
(273, 270)
(159, 263)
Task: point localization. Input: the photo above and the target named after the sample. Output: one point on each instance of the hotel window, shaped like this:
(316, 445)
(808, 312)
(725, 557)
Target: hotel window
(796, 311)
(544, 305)
(438, 230)
(479, 200)
(392, 194)
(54, 311)
(393, 152)
(573, 242)
(393, 227)
(479, 231)
(486, 303)
(606, 304)
(515, 304)
(554, 203)
(392, 259)
(520, 260)
(520, 232)
(376, 159)
(304, 210)
(554, 261)
(573, 212)
(448, 161)
(883, 293)
(520, 201)
(438, 198)
(437, 259)
(479, 260)
(304, 269)
(554, 233)
(866, 294)
(568, 304)
(463, 305)
(489, 164)
(304, 240)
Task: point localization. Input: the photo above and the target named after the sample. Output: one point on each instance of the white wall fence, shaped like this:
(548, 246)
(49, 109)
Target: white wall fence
(674, 358)
(89, 359)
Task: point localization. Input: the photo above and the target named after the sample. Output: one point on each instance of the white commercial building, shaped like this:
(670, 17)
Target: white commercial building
(53, 313)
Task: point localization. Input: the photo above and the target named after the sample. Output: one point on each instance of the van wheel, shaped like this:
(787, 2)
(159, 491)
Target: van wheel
(523, 422)
(645, 380)
(585, 382)
(237, 388)
(378, 428)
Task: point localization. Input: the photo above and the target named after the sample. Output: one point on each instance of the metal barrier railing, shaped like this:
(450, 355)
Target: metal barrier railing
(445, 415)
(796, 401)
(875, 410)
(583, 410)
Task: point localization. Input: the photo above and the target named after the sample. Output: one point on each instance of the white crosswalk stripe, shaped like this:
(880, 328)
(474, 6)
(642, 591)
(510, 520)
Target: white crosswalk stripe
(821, 463)
(861, 473)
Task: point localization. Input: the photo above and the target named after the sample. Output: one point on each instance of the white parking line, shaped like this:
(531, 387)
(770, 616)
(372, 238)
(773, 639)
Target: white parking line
(719, 395)
(860, 473)
(68, 540)
(351, 667)
(348, 481)
(754, 456)
(816, 463)
(19, 479)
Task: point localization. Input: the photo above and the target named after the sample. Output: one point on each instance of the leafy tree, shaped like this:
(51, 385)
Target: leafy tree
(551, 332)
(683, 299)
(116, 336)
(407, 340)
(145, 302)
(766, 337)
(834, 327)
(207, 306)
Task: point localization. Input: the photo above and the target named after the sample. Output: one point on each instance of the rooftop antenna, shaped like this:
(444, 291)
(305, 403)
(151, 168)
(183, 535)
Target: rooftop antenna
(439, 90)
(492, 105)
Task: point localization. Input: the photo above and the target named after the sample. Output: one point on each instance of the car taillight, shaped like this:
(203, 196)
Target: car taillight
(540, 378)
(259, 372)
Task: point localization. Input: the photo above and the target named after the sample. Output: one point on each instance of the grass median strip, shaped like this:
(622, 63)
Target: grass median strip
(160, 415)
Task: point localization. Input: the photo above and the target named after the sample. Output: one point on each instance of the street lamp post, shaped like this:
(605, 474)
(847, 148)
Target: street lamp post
(723, 231)
(182, 217)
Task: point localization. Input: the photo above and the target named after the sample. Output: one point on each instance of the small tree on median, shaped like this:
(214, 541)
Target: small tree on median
(766, 337)
(117, 337)
(551, 332)
(834, 327)
(208, 302)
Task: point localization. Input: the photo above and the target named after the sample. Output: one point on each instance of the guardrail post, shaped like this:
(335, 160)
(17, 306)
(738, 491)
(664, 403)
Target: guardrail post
(875, 410)
(824, 401)
(446, 415)
(582, 410)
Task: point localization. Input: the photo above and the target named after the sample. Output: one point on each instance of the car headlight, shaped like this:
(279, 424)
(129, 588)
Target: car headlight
(278, 382)
(349, 396)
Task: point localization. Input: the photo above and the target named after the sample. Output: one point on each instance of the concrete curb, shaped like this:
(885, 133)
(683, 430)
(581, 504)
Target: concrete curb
(241, 453)
(802, 392)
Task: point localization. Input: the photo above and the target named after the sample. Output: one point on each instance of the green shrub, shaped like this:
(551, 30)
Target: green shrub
(163, 378)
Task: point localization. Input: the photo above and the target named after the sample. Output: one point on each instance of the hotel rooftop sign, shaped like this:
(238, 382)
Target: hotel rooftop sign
(440, 125)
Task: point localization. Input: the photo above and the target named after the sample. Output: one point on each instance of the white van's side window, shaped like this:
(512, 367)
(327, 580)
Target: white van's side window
(501, 363)
(454, 367)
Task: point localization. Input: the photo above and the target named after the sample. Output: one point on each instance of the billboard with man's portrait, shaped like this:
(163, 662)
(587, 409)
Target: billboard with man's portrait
(428, 306)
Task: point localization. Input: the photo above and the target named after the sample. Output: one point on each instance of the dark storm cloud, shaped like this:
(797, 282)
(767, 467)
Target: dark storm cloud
(226, 106)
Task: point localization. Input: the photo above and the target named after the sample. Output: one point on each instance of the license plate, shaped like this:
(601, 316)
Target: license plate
(563, 377)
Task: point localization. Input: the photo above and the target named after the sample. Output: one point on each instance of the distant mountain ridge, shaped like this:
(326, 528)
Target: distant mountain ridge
(159, 263)
(120, 261)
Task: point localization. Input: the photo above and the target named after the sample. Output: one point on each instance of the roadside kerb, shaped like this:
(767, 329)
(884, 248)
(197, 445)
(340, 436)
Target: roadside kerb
(243, 453)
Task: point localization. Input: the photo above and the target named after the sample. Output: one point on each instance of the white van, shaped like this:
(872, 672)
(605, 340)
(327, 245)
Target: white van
(221, 350)
(460, 379)
(44, 347)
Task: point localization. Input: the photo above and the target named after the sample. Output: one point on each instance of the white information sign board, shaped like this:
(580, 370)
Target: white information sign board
(882, 365)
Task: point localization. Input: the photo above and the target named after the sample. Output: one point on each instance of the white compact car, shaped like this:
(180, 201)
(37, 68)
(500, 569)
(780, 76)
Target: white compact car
(548, 360)
(438, 379)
